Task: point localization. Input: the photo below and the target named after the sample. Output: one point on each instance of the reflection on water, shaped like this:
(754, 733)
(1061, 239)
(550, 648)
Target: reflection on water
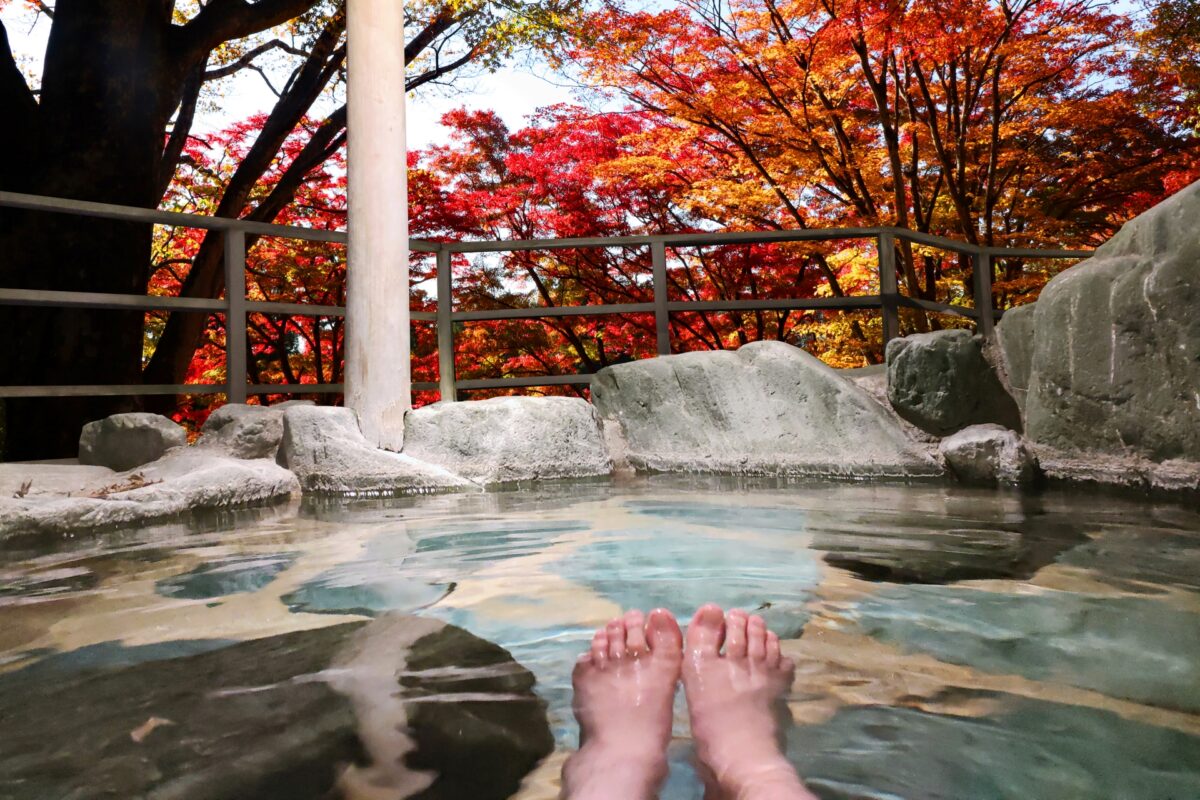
(950, 643)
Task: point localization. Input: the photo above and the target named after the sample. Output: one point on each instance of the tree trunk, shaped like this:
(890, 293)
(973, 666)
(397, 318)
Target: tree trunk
(108, 89)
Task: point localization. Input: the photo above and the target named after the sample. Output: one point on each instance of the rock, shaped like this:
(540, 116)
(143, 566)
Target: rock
(286, 404)
(941, 383)
(874, 381)
(507, 439)
(1025, 748)
(1014, 339)
(281, 717)
(325, 449)
(127, 441)
(1116, 359)
(767, 409)
(989, 454)
(1132, 648)
(243, 431)
(184, 481)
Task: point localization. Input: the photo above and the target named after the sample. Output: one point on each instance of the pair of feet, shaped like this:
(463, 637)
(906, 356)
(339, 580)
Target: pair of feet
(624, 692)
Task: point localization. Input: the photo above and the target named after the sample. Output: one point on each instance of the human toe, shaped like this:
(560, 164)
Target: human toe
(735, 634)
(756, 639)
(663, 634)
(706, 631)
(616, 638)
(599, 649)
(773, 652)
(635, 633)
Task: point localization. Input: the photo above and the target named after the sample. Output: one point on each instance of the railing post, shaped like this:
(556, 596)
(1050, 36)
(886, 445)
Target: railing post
(445, 326)
(662, 317)
(889, 291)
(235, 315)
(983, 291)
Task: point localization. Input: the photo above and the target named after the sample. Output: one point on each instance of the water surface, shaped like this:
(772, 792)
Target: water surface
(950, 643)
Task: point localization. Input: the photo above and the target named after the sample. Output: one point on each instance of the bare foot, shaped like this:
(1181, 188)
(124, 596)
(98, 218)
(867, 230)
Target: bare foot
(624, 690)
(733, 700)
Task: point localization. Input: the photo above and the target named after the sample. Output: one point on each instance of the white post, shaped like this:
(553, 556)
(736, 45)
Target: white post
(378, 380)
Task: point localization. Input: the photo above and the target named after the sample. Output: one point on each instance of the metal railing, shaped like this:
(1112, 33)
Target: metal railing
(236, 306)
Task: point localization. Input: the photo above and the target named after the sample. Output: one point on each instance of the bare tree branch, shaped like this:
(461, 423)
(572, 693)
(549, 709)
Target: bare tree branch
(181, 130)
(244, 61)
(227, 20)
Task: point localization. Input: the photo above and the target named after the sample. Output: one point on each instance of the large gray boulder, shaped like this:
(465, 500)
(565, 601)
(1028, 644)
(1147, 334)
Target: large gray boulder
(325, 449)
(508, 439)
(67, 498)
(1014, 343)
(941, 383)
(127, 441)
(989, 454)
(766, 409)
(243, 431)
(1116, 360)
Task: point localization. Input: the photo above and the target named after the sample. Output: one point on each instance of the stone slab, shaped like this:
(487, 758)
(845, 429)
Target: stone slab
(509, 439)
(766, 409)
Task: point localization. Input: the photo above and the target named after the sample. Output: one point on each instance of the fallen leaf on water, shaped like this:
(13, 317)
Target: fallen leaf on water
(140, 733)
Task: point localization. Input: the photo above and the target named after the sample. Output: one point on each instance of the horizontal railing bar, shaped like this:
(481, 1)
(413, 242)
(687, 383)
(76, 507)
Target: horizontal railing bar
(941, 242)
(39, 297)
(945, 308)
(296, 388)
(811, 303)
(85, 208)
(551, 311)
(516, 383)
(106, 390)
(668, 239)
(1025, 252)
(294, 309)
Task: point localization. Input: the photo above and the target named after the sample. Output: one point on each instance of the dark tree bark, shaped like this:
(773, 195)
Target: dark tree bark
(114, 73)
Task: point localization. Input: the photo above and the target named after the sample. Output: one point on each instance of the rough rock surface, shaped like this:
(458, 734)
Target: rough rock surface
(941, 383)
(767, 409)
(1014, 339)
(243, 431)
(989, 454)
(268, 719)
(325, 449)
(1116, 360)
(127, 441)
(184, 481)
(874, 381)
(508, 439)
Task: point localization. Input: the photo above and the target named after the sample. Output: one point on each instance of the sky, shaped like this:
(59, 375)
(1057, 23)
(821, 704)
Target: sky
(514, 92)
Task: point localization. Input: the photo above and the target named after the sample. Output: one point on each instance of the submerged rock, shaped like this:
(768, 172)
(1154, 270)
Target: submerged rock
(1132, 648)
(127, 441)
(767, 409)
(989, 454)
(1116, 361)
(941, 383)
(326, 450)
(506, 439)
(243, 431)
(1025, 749)
(185, 481)
(289, 717)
